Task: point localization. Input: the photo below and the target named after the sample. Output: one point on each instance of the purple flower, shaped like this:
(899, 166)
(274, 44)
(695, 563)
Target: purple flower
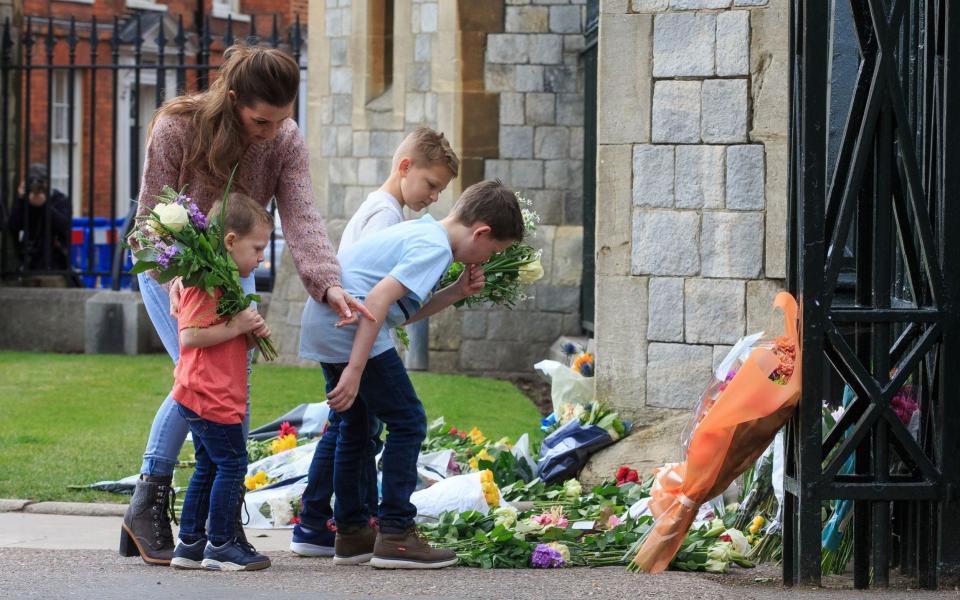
(586, 369)
(183, 199)
(198, 219)
(545, 557)
(164, 256)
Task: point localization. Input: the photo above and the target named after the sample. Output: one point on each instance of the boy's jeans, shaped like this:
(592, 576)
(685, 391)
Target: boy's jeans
(316, 498)
(214, 490)
(386, 394)
(169, 429)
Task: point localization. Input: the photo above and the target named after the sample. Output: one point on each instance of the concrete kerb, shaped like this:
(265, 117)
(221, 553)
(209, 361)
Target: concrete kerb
(78, 509)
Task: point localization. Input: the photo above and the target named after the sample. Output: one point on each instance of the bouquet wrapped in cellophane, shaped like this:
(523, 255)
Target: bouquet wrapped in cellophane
(734, 424)
(177, 240)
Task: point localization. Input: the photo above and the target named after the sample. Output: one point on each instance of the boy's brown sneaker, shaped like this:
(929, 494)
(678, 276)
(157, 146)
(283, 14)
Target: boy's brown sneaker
(407, 551)
(354, 544)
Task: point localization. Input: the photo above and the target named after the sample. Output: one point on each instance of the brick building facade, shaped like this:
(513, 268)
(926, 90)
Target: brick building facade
(102, 114)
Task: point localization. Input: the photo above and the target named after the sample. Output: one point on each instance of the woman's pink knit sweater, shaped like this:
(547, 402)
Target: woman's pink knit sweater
(276, 168)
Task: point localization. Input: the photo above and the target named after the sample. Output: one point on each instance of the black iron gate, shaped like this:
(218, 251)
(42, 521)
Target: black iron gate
(884, 216)
(587, 299)
(40, 56)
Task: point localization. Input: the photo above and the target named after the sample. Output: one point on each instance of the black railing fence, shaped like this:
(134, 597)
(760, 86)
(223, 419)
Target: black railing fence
(874, 259)
(91, 142)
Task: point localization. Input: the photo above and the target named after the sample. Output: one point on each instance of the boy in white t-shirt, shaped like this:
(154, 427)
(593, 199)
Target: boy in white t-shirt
(423, 166)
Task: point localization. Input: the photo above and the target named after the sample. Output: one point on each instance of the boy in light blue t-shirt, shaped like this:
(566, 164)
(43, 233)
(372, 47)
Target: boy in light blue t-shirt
(394, 273)
(423, 166)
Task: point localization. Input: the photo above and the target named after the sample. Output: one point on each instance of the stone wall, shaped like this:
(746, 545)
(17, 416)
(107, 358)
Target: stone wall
(503, 80)
(691, 211)
(536, 69)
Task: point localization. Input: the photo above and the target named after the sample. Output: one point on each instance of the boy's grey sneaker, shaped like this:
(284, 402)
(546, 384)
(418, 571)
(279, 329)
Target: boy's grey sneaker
(233, 556)
(354, 544)
(189, 556)
(407, 551)
(311, 542)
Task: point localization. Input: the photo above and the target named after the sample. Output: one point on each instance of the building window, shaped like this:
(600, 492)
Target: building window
(61, 148)
(229, 8)
(379, 47)
(229, 5)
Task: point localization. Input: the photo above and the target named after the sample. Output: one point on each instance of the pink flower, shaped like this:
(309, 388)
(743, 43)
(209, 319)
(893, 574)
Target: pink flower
(614, 521)
(544, 519)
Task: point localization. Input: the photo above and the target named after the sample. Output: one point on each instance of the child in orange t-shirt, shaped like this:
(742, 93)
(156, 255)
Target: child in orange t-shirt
(211, 392)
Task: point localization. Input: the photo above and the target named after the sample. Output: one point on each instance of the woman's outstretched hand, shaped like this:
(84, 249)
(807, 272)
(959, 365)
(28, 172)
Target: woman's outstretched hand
(345, 305)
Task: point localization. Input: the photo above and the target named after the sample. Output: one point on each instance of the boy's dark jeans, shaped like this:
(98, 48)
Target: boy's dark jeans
(214, 490)
(316, 498)
(386, 394)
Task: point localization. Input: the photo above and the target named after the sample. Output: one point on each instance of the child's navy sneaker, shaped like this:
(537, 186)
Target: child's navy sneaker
(233, 556)
(312, 542)
(189, 556)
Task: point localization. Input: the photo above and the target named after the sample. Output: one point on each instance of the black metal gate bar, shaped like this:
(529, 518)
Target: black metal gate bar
(91, 165)
(810, 70)
(52, 32)
(50, 43)
(6, 46)
(947, 444)
(892, 189)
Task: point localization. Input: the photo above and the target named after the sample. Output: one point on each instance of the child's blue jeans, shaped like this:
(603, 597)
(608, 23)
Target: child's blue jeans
(214, 491)
(316, 497)
(169, 430)
(386, 394)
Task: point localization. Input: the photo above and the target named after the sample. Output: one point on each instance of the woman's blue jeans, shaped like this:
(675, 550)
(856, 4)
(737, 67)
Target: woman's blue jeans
(169, 428)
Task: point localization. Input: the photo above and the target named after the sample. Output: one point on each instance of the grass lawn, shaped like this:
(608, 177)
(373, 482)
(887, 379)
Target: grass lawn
(76, 419)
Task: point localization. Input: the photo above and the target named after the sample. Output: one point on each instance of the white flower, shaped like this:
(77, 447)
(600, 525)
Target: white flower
(572, 488)
(721, 551)
(505, 515)
(280, 511)
(715, 566)
(739, 541)
(173, 216)
(531, 272)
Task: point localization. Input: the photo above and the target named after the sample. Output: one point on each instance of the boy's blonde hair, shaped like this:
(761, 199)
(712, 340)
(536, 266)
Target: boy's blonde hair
(244, 214)
(427, 147)
(491, 203)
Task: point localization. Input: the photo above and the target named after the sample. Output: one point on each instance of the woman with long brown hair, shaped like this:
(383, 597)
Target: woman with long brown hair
(243, 119)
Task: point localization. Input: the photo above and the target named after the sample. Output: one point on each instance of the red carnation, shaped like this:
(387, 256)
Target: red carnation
(287, 429)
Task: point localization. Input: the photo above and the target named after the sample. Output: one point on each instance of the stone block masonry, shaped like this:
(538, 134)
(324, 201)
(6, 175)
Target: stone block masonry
(699, 193)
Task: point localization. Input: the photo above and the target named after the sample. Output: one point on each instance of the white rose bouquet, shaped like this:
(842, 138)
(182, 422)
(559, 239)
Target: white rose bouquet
(176, 240)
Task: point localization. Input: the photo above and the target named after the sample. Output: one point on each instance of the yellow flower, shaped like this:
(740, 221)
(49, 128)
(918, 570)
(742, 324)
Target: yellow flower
(256, 481)
(474, 464)
(756, 525)
(491, 493)
(284, 443)
(504, 443)
(484, 455)
(476, 437)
